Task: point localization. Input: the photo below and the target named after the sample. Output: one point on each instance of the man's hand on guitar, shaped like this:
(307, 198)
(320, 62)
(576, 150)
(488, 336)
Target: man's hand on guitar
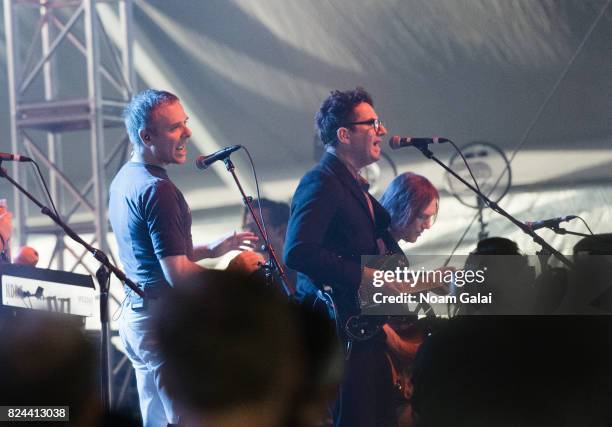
(246, 262)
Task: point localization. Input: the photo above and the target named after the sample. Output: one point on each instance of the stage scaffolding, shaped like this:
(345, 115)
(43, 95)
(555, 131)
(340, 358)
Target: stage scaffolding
(47, 40)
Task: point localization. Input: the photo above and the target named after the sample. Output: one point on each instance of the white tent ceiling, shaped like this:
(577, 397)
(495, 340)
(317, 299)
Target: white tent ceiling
(530, 77)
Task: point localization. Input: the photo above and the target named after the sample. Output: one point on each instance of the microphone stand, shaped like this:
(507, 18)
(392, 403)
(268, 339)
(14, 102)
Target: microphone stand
(248, 201)
(103, 278)
(537, 239)
(483, 234)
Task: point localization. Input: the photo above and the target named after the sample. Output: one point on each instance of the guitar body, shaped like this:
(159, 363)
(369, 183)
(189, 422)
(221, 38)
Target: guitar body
(363, 327)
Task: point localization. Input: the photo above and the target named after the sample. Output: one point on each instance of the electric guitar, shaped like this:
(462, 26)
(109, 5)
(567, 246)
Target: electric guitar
(362, 327)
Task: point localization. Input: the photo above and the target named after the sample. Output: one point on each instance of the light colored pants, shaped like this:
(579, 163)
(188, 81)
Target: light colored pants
(142, 348)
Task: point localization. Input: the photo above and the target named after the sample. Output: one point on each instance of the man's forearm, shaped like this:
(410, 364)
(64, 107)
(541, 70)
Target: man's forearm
(180, 271)
(201, 252)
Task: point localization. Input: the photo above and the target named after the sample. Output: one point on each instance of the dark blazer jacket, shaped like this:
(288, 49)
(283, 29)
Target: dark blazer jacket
(329, 229)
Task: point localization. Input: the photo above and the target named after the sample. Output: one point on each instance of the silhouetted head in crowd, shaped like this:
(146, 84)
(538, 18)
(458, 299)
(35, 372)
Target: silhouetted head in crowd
(412, 201)
(508, 371)
(239, 353)
(590, 281)
(46, 360)
(497, 246)
(508, 278)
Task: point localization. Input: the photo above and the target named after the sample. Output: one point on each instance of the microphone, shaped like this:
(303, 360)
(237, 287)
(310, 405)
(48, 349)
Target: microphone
(549, 223)
(405, 141)
(14, 158)
(203, 162)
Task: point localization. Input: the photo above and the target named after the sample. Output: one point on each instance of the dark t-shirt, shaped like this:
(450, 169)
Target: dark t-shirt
(151, 221)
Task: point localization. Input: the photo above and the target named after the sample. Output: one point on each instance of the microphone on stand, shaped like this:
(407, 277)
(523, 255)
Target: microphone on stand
(549, 223)
(203, 162)
(406, 141)
(14, 158)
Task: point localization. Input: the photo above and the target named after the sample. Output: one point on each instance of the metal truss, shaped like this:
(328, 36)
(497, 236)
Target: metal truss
(38, 35)
(62, 123)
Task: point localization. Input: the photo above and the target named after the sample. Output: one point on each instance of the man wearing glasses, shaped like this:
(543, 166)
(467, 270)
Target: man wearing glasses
(334, 221)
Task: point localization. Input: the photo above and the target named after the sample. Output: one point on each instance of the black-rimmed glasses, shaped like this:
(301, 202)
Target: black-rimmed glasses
(372, 122)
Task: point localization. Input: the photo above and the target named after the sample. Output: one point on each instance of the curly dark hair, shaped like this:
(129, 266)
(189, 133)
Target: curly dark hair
(337, 110)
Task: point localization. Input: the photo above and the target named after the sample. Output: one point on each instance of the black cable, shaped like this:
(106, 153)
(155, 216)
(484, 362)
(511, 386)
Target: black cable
(467, 229)
(585, 224)
(391, 162)
(44, 183)
(549, 96)
(466, 164)
(263, 222)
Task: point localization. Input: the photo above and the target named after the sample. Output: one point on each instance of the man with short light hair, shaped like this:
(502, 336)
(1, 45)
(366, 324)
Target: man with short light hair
(152, 224)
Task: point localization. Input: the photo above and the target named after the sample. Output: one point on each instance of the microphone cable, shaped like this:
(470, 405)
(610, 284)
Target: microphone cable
(261, 217)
